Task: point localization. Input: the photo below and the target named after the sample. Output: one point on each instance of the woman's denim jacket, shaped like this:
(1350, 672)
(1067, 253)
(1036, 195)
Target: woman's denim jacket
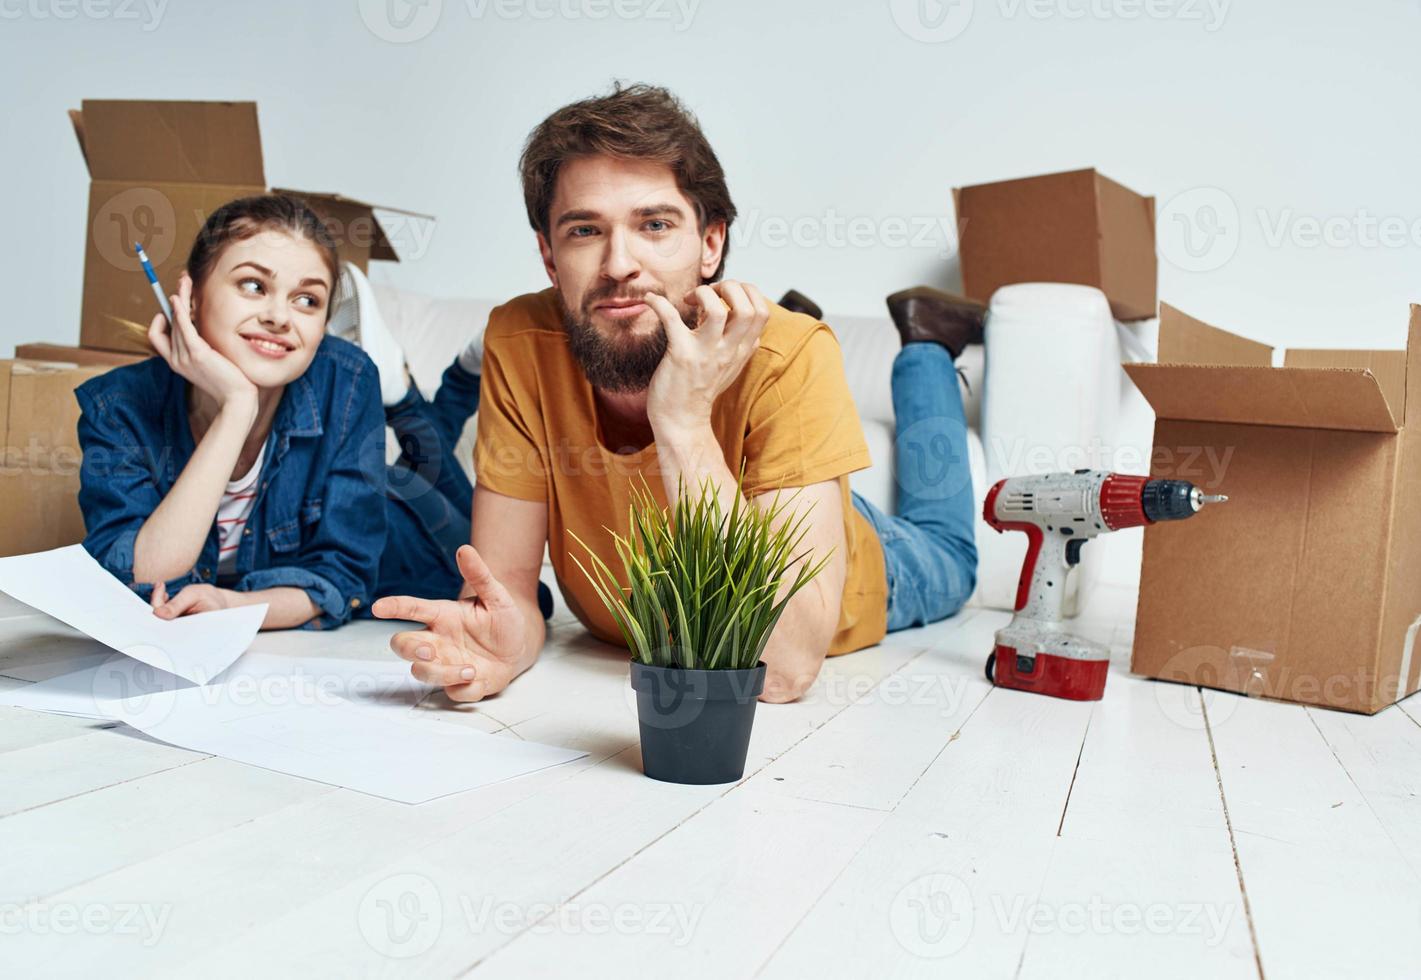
(318, 520)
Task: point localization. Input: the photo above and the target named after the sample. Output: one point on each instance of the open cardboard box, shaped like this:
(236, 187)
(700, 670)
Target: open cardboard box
(1306, 585)
(1078, 227)
(158, 170)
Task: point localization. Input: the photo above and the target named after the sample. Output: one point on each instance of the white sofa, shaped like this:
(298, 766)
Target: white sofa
(1055, 367)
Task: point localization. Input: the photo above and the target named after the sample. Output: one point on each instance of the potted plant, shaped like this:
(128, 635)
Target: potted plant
(701, 600)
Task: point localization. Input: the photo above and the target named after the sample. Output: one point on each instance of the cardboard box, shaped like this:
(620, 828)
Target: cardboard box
(86, 356)
(358, 233)
(158, 170)
(39, 470)
(1306, 585)
(1077, 227)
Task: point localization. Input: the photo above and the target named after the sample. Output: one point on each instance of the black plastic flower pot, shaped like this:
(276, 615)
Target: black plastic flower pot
(695, 724)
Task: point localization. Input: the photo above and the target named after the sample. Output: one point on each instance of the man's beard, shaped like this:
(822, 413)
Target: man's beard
(623, 365)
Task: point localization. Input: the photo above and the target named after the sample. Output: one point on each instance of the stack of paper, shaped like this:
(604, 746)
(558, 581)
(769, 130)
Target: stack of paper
(323, 737)
(188, 682)
(73, 588)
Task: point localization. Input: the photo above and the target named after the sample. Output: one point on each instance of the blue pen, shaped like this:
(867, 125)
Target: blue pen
(163, 303)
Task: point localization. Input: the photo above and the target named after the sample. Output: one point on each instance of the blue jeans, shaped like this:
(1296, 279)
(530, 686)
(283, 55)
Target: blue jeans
(430, 499)
(929, 548)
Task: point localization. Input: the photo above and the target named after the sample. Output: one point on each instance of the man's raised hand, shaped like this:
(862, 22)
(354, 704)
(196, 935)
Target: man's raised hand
(700, 364)
(471, 647)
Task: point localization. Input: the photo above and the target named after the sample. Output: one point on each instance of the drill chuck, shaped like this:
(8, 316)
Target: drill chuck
(1174, 500)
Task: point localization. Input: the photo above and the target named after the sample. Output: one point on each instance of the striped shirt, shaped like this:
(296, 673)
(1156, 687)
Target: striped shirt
(232, 514)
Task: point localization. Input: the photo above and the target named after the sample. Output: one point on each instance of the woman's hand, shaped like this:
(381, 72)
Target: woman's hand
(473, 647)
(191, 599)
(701, 363)
(193, 358)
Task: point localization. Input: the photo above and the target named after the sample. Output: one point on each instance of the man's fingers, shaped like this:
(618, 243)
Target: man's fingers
(476, 572)
(677, 333)
(443, 675)
(757, 300)
(407, 607)
(160, 595)
(713, 311)
(742, 311)
(761, 307)
(475, 690)
(415, 645)
(421, 649)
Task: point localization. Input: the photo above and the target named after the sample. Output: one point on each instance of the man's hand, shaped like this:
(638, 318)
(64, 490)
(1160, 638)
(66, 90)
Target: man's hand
(701, 363)
(471, 647)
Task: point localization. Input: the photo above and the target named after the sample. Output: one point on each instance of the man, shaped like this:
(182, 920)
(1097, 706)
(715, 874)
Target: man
(641, 361)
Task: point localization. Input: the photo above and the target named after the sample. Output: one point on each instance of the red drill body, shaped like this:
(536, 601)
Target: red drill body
(1059, 513)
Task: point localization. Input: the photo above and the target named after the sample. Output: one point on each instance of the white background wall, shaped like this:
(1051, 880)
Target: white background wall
(1267, 116)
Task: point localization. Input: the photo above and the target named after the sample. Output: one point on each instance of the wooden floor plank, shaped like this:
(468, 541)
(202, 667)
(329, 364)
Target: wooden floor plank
(1144, 876)
(1382, 756)
(679, 899)
(60, 770)
(870, 754)
(976, 831)
(1331, 893)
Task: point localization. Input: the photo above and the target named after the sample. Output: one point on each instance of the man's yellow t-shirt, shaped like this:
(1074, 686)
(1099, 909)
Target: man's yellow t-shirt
(789, 416)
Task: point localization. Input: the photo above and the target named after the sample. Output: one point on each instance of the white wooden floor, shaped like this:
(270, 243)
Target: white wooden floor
(904, 820)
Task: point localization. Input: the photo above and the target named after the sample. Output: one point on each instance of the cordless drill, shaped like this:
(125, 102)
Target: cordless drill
(1060, 512)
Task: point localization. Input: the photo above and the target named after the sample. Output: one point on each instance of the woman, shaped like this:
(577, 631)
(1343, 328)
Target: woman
(245, 463)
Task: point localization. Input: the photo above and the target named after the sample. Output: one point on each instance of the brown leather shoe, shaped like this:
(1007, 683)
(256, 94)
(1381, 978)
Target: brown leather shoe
(797, 302)
(926, 314)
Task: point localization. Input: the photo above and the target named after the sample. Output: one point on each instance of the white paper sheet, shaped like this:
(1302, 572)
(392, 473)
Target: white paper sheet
(323, 737)
(73, 588)
(81, 692)
(92, 683)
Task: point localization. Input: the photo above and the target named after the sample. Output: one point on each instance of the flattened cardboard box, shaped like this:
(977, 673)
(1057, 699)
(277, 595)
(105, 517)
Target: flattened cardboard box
(158, 170)
(1077, 227)
(1306, 585)
(39, 477)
